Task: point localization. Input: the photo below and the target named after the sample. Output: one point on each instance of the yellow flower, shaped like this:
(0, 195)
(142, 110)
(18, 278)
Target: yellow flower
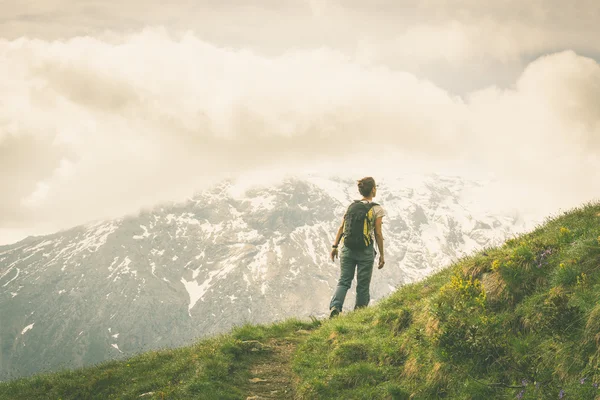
(495, 265)
(562, 265)
(564, 231)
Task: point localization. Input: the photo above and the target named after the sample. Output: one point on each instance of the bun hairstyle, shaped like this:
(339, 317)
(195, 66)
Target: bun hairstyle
(366, 185)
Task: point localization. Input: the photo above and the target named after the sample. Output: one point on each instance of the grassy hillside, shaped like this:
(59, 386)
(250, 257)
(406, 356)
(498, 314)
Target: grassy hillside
(521, 321)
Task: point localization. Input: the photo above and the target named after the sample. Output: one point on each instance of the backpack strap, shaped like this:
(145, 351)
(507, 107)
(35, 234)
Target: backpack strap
(370, 204)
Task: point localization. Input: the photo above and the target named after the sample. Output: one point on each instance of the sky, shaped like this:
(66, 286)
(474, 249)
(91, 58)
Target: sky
(107, 107)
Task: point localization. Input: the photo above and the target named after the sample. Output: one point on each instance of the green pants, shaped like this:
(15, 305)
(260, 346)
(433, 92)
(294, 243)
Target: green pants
(351, 260)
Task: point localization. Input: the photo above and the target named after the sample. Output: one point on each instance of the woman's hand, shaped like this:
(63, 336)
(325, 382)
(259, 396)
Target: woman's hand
(381, 262)
(334, 254)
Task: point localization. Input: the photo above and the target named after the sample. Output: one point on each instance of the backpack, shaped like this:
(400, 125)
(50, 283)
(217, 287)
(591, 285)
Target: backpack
(356, 227)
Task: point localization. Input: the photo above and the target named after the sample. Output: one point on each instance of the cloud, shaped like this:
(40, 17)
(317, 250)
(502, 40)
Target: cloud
(91, 128)
(460, 45)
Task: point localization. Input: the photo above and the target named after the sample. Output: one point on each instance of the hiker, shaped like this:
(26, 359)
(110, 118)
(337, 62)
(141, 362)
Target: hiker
(360, 228)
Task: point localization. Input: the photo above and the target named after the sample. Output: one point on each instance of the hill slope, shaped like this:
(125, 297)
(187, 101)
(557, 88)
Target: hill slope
(519, 321)
(173, 274)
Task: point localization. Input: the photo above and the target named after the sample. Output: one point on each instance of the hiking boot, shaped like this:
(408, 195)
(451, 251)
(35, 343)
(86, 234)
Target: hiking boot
(334, 312)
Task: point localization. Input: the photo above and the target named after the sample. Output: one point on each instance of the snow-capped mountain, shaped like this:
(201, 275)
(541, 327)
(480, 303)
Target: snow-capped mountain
(179, 272)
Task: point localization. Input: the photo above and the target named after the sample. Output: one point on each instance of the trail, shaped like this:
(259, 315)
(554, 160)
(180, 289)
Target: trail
(271, 372)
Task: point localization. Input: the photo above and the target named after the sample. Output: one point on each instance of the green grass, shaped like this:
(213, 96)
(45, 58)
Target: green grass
(518, 321)
(217, 368)
(521, 318)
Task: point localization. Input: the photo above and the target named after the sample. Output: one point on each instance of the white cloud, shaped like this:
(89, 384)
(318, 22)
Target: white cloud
(105, 127)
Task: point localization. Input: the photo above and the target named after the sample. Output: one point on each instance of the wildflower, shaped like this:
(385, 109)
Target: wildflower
(562, 265)
(541, 258)
(582, 380)
(495, 265)
(520, 395)
(561, 394)
(595, 385)
(524, 382)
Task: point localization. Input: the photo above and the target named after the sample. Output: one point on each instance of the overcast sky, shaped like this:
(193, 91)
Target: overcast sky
(109, 106)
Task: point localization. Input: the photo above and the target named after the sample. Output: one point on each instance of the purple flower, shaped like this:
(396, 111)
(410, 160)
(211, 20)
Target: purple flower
(541, 258)
(524, 382)
(520, 395)
(595, 385)
(561, 394)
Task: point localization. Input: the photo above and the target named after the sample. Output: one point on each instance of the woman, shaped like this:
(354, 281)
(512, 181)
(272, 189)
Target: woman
(358, 257)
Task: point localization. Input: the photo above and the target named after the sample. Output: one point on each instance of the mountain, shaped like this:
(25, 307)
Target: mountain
(519, 321)
(227, 256)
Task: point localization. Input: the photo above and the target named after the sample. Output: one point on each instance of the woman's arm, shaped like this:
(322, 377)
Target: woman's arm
(379, 240)
(338, 237)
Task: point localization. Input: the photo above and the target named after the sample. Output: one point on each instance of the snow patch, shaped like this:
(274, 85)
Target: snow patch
(121, 269)
(197, 291)
(196, 272)
(15, 277)
(116, 347)
(432, 238)
(27, 328)
(143, 235)
(188, 218)
(234, 212)
(10, 267)
(338, 189)
(38, 246)
(111, 266)
(209, 228)
(262, 203)
(295, 271)
(248, 236)
(259, 264)
(96, 237)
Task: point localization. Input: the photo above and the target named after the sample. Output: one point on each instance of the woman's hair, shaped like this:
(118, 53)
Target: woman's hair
(366, 185)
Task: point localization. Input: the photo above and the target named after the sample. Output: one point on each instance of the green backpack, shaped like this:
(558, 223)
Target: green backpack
(356, 227)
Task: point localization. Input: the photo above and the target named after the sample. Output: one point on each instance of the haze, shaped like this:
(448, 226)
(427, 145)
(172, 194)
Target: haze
(107, 107)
